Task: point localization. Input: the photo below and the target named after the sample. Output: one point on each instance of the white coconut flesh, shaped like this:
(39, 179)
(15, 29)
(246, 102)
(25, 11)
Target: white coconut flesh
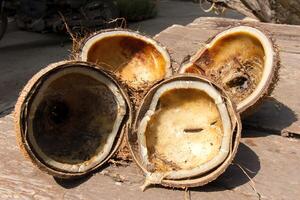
(240, 59)
(185, 132)
(135, 58)
(74, 119)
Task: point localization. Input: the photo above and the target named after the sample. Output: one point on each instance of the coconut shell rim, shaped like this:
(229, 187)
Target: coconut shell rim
(76, 53)
(236, 135)
(273, 78)
(18, 112)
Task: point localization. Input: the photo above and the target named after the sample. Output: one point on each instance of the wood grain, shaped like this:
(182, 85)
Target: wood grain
(269, 160)
(279, 11)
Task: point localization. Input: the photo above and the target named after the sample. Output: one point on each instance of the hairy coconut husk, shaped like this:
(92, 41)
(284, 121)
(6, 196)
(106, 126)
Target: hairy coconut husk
(163, 168)
(244, 60)
(72, 115)
(137, 59)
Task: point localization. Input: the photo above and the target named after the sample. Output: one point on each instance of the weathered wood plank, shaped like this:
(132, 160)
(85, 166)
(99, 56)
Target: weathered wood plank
(279, 115)
(265, 156)
(279, 11)
(287, 36)
(269, 160)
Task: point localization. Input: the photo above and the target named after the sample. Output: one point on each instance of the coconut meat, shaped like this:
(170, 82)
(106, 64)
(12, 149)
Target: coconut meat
(185, 132)
(74, 119)
(135, 58)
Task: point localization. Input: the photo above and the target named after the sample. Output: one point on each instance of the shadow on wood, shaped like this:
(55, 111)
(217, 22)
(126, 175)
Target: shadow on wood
(234, 176)
(272, 116)
(72, 183)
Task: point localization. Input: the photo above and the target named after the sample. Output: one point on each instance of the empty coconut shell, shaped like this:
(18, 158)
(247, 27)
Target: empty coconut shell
(243, 60)
(135, 58)
(186, 132)
(70, 118)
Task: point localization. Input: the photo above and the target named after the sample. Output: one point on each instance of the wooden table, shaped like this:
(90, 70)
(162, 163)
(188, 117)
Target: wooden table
(270, 160)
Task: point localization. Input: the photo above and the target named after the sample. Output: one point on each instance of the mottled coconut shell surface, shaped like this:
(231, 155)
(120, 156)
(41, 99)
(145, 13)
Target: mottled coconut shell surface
(186, 132)
(137, 59)
(243, 60)
(70, 118)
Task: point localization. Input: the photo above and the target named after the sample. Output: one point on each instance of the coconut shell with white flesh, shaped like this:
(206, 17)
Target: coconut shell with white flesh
(70, 118)
(243, 60)
(186, 132)
(135, 58)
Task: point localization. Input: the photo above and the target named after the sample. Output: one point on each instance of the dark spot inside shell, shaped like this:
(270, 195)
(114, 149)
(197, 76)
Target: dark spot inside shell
(58, 112)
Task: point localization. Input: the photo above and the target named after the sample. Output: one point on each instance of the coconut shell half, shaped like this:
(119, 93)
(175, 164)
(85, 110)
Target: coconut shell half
(135, 58)
(186, 132)
(243, 60)
(70, 118)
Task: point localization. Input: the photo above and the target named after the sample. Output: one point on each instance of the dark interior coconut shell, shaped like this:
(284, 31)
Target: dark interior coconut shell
(69, 120)
(195, 180)
(243, 60)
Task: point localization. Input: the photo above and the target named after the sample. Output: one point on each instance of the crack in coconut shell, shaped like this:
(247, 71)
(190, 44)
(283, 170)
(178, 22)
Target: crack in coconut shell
(243, 60)
(186, 132)
(135, 58)
(58, 127)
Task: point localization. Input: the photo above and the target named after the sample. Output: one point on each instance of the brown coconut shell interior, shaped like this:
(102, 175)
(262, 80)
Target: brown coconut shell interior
(235, 61)
(133, 59)
(74, 118)
(70, 117)
(155, 142)
(187, 107)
